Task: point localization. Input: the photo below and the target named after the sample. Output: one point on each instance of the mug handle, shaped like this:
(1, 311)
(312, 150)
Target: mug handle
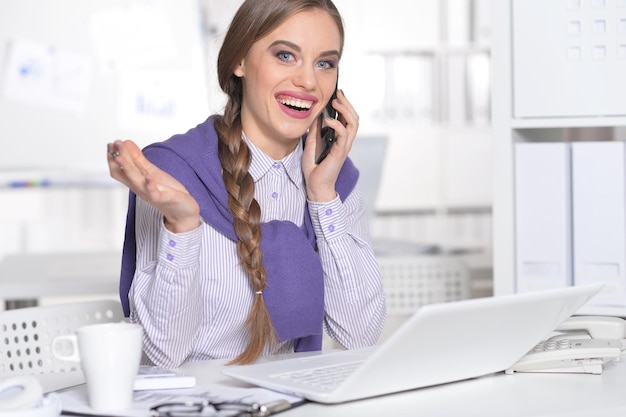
(73, 340)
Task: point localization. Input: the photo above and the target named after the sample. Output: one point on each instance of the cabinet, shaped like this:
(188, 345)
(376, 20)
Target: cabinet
(556, 68)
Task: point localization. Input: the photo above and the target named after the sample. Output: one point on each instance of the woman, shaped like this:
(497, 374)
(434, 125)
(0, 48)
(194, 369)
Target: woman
(238, 244)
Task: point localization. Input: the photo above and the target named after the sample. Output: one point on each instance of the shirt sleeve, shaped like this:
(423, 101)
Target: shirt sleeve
(354, 299)
(165, 293)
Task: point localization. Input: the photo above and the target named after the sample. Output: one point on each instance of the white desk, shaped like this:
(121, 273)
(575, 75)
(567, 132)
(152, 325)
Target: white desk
(498, 395)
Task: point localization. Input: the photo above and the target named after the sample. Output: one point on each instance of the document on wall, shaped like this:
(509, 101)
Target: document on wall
(75, 400)
(45, 75)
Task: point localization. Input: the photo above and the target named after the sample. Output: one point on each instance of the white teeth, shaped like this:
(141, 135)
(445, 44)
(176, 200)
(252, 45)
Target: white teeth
(296, 103)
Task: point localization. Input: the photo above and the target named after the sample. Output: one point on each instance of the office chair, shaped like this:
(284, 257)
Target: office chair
(26, 334)
(410, 282)
(413, 281)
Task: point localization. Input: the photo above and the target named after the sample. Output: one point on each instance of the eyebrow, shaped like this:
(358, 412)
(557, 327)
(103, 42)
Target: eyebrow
(297, 48)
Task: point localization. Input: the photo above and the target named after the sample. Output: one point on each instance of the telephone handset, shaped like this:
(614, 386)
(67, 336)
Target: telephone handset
(583, 344)
(597, 327)
(327, 134)
(22, 396)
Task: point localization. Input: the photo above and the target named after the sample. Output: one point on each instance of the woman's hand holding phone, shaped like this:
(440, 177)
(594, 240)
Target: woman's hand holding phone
(321, 177)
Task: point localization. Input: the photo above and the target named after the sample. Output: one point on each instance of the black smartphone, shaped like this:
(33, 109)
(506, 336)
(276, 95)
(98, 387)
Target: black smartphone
(327, 134)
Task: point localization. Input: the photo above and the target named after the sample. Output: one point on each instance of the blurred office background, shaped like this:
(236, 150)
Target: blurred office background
(75, 75)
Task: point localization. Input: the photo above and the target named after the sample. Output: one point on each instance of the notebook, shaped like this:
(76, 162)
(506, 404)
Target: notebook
(440, 343)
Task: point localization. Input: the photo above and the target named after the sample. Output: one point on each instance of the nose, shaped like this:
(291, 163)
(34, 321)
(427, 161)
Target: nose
(305, 77)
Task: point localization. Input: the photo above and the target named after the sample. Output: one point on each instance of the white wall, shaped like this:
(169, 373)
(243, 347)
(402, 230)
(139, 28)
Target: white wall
(431, 165)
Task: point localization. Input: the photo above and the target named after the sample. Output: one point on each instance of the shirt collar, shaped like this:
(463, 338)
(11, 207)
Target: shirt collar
(261, 163)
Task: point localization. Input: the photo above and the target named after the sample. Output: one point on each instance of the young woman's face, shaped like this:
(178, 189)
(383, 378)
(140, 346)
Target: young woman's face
(288, 77)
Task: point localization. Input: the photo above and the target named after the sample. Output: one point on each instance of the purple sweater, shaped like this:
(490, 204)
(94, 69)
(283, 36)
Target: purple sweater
(294, 294)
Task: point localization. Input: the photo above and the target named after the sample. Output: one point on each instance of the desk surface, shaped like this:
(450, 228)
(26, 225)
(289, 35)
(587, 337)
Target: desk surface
(493, 395)
(497, 395)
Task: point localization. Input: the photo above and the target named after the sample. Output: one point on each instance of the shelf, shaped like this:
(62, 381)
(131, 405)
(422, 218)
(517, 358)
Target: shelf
(534, 83)
(565, 122)
(470, 49)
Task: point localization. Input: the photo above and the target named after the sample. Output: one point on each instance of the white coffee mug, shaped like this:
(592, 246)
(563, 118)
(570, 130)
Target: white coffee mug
(109, 354)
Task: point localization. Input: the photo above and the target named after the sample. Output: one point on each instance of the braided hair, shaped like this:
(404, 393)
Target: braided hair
(254, 20)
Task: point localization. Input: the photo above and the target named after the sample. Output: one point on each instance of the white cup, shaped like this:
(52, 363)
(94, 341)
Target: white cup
(109, 354)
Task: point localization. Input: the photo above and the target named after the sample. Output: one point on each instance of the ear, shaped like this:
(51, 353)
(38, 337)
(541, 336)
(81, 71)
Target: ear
(239, 70)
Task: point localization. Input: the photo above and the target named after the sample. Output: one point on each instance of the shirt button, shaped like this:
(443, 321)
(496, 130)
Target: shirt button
(331, 228)
(329, 212)
(274, 195)
(172, 243)
(276, 165)
(170, 257)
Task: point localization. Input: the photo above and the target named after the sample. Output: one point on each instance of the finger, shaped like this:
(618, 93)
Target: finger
(139, 160)
(112, 154)
(131, 165)
(131, 154)
(314, 128)
(112, 151)
(115, 167)
(347, 113)
(309, 145)
(121, 157)
(310, 141)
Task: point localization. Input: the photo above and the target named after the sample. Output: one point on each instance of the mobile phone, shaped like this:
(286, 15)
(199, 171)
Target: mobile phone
(327, 134)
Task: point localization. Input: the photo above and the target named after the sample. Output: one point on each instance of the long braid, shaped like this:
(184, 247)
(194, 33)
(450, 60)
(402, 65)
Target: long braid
(253, 20)
(235, 158)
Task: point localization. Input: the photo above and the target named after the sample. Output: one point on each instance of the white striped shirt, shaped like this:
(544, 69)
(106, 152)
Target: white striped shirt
(192, 296)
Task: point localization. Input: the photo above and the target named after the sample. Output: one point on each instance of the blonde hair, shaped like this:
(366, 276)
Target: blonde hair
(253, 20)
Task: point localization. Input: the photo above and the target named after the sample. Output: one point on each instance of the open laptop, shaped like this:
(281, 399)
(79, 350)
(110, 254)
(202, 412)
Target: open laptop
(368, 154)
(440, 343)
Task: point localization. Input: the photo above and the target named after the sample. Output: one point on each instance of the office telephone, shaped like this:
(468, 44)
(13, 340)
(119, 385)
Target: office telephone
(23, 396)
(582, 344)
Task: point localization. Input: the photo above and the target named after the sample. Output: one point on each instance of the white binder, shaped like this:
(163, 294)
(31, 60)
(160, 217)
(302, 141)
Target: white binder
(599, 218)
(542, 216)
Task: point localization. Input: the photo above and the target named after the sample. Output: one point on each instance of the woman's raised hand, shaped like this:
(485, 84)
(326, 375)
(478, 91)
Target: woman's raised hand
(128, 165)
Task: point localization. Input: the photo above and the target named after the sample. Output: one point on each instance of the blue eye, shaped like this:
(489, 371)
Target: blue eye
(284, 55)
(326, 64)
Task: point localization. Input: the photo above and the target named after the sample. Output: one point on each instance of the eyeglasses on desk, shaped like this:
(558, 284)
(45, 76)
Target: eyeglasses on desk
(208, 408)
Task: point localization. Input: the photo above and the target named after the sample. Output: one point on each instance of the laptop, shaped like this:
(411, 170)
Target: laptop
(440, 343)
(368, 154)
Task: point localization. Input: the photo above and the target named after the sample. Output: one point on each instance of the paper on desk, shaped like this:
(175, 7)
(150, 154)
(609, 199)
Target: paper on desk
(74, 400)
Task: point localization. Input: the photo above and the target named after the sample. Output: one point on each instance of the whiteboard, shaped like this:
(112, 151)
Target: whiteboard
(76, 74)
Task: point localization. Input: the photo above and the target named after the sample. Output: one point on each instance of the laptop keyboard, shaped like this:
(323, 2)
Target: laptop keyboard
(326, 378)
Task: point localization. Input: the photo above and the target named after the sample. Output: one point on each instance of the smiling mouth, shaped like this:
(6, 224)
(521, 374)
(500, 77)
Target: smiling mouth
(296, 104)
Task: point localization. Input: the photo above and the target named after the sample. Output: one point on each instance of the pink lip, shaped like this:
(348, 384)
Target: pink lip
(296, 114)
